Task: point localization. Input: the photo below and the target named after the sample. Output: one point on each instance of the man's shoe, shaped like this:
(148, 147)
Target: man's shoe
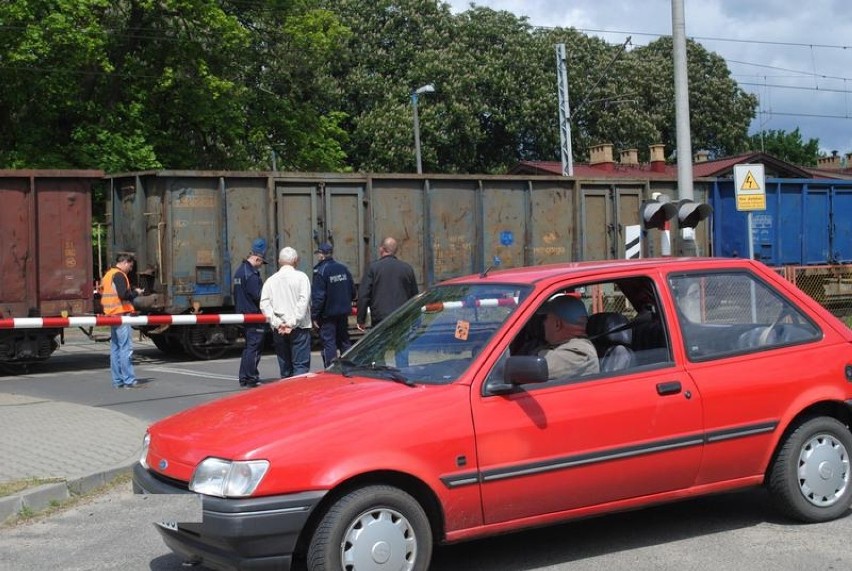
(251, 385)
(133, 385)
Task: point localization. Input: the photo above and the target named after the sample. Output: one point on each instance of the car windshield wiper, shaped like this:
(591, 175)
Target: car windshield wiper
(347, 367)
(392, 373)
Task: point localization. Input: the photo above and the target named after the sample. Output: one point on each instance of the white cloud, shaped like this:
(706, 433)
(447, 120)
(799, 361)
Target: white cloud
(765, 58)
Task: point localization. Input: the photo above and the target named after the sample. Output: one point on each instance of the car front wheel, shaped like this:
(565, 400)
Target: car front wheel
(370, 529)
(810, 479)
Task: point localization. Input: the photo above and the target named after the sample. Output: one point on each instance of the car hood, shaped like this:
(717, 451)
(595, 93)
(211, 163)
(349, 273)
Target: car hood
(292, 416)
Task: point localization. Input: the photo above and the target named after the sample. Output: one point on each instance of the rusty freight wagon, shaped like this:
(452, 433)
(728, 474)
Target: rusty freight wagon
(190, 229)
(45, 255)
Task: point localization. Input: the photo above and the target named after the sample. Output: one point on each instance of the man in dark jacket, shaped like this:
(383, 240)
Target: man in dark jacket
(247, 286)
(332, 292)
(388, 284)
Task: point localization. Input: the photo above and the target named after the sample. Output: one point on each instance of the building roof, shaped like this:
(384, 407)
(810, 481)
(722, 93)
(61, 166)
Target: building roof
(606, 170)
(723, 167)
(839, 174)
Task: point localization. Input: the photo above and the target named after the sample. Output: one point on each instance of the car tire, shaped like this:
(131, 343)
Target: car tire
(372, 528)
(811, 479)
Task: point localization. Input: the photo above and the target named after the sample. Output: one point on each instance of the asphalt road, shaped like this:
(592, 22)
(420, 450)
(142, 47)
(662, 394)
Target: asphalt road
(78, 372)
(112, 531)
(733, 532)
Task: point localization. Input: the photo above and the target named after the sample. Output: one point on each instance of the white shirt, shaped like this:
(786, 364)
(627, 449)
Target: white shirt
(285, 299)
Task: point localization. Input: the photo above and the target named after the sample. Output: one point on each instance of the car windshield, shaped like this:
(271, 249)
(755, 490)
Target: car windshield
(435, 336)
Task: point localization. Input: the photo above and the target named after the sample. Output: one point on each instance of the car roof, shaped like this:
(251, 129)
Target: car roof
(534, 274)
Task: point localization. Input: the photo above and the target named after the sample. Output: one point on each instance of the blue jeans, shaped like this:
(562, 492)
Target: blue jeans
(293, 351)
(251, 353)
(120, 355)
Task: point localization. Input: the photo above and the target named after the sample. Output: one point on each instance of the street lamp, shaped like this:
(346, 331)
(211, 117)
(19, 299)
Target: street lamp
(429, 88)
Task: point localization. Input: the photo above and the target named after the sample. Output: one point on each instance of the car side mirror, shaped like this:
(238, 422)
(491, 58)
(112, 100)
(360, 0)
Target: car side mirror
(520, 370)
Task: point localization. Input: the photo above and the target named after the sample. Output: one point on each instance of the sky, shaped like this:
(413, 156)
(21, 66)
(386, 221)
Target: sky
(796, 56)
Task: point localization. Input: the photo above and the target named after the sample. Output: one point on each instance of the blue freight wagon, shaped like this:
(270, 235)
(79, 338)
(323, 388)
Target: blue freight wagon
(806, 222)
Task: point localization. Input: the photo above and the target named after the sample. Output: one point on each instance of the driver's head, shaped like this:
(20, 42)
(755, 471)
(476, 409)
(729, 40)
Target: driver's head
(565, 318)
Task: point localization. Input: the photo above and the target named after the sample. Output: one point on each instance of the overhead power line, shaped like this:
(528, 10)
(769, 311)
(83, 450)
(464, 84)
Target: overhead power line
(809, 115)
(795, 87)
(714, 39)
(799, 71)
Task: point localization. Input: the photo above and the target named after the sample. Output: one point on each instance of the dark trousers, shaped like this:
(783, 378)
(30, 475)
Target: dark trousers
(293, 351)
(334, 335)
(251, 354)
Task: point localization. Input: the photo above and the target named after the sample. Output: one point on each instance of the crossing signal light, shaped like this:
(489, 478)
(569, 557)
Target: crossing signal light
(656, 214)
(690, 213)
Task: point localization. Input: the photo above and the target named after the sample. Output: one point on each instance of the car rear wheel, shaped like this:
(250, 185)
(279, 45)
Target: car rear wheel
(370, 529)
(810, 478)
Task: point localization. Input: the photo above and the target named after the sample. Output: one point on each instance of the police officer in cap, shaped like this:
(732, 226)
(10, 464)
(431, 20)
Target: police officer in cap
(247, 286)
(332, 292)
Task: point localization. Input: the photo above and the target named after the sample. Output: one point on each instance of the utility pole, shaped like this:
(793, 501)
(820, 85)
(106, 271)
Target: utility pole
(684, 141)
(564, 112)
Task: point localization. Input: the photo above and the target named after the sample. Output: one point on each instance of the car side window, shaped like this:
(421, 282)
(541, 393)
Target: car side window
(731, 313)
(623, 330)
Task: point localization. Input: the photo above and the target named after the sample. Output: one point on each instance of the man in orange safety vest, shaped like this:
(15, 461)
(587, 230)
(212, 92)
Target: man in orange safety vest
(117, 299)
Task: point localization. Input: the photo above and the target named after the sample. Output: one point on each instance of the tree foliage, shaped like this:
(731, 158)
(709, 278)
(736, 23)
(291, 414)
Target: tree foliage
(496, 96)
(136, 84)
(789, 147)
(327, 85)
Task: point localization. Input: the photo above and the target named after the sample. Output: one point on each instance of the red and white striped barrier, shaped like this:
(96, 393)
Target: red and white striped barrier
(100, 320)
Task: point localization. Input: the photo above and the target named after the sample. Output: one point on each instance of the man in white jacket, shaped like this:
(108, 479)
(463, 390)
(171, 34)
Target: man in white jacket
(285, 300)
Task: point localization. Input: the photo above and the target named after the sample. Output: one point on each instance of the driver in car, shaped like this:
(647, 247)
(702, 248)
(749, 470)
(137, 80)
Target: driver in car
(568, 352)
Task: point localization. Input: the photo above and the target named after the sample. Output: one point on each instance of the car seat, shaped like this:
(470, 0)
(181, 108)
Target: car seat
(611, 335)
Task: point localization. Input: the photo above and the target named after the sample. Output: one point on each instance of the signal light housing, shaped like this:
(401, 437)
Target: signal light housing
(655, 214)
(690, 213)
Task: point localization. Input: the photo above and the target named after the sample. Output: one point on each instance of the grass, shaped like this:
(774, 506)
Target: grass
(17, 486)
(28, 515)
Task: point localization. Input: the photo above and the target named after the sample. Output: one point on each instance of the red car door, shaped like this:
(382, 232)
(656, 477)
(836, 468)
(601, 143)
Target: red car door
(550, 449)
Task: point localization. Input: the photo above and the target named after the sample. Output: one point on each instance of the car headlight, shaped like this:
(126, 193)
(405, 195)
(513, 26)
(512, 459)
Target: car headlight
(143, 457)
(227, 479)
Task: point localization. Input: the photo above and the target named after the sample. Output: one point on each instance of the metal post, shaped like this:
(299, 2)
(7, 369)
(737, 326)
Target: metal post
(428, 88)
(684, 140)
(564, 112)
(681, 81)
(416, 133)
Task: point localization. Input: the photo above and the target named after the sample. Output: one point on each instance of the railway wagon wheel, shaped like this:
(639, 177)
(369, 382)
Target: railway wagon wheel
(168, 344)
(206, 342)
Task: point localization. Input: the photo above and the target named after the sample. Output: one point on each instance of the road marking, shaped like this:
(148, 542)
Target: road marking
(190, 373)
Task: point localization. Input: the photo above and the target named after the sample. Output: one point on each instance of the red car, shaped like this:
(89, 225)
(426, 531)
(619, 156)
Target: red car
(449, 421)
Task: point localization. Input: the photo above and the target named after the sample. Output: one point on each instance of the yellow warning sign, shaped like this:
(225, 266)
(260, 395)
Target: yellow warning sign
(749, 183)
(751, 202)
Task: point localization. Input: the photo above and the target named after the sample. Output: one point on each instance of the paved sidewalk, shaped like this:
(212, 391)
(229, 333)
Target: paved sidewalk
(83, 447)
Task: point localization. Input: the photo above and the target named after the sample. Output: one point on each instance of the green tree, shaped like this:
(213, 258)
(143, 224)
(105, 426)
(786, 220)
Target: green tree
(496, 98)
(327, 84)
(786, 146)
(137, 84)
(393, 48)
(720, 111)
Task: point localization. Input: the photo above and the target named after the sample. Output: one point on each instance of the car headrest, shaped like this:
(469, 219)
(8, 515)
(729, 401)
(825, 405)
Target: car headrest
(602, 327)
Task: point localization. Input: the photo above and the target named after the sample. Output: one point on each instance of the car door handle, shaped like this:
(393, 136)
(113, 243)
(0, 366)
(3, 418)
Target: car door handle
(669, 388)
